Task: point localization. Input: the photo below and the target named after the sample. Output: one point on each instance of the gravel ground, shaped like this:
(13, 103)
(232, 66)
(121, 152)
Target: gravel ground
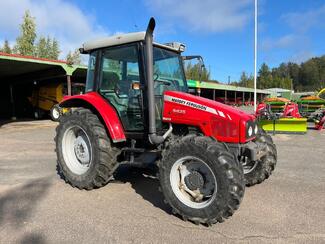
(36, 206)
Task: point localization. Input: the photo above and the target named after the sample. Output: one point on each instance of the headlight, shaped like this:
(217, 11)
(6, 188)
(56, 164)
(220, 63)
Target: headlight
(250, 131)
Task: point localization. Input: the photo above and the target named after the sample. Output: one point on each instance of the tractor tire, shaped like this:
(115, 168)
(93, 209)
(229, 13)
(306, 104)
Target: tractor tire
(261, 170)
(56, 113)
(267, 137)
(86, 157)
(200, 165)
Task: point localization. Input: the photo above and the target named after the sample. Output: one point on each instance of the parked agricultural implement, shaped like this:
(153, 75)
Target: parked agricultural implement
(279, 115)
(45, 98)
(310, 104)
(276, 104)
(318, 117)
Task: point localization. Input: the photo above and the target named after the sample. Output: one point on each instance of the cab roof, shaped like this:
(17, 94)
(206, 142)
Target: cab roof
(119, 40)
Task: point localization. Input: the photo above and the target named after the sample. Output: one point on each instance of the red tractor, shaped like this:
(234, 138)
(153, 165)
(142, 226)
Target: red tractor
(136, 110)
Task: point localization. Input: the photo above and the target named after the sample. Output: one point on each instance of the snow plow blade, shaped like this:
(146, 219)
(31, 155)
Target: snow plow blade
(285, 125)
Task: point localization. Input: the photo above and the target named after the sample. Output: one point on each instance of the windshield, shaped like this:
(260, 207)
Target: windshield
(168, 71)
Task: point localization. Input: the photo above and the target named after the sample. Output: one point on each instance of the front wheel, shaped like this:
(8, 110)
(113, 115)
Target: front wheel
(201, 180)
(86, 158)
(258, 171)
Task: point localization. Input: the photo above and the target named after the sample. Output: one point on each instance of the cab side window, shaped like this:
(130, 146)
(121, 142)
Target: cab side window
(119, 70)
(91, 71)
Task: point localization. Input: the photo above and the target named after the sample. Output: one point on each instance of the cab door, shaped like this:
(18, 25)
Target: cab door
(119, 70)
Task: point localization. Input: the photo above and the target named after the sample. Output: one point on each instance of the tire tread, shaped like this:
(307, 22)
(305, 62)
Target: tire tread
(107, 153)
(227, 161)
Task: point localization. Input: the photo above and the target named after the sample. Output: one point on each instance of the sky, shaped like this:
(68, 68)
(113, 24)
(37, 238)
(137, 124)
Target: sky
(221, 31)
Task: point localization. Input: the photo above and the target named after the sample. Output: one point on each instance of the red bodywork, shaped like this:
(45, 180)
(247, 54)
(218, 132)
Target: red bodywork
(261, 107)
(215, 119)
(320, 124)
(104, 109)
(291, 110)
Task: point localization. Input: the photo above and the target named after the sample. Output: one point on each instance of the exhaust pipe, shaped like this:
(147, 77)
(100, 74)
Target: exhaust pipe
(153, 137)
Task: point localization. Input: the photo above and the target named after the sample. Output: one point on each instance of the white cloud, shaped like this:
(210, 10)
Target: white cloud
(284, 42)
(297, 43)
(304, 21)
(57, 18)
(301, 56)
(207, 15)
(295, 47)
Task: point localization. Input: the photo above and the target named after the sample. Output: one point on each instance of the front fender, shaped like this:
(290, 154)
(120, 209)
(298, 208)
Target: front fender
(104, 110)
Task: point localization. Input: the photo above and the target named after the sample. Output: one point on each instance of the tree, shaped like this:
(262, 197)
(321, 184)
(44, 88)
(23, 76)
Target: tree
(245, 80)
(41, 50)
(307, 76)
(281, 71)
(55, 50)
(6, 47)
(264, 77)
(74, 57)
(310, 74)
(193, 72)
(294, 73)
(321, 66)
(282, 82)
(25, 41)
(47, 48)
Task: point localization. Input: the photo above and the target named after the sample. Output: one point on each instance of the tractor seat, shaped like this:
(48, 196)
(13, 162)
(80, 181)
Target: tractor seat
(109, 81)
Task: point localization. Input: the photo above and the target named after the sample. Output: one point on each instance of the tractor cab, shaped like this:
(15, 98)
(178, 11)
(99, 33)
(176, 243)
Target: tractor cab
(117, 72)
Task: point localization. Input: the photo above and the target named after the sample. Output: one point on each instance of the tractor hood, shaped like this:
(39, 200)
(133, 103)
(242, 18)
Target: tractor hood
(215, 119)
(206, 105)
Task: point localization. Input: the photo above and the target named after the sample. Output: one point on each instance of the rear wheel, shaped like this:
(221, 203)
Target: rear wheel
(86, 158)
(260, 170)
(201, 180)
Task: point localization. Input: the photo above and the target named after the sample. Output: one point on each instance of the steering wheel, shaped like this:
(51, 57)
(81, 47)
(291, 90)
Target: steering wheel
(156, 78)
(176, 85)
(167, 82)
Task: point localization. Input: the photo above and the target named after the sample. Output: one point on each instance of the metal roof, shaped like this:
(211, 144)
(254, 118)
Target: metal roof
(277, 89)
(114, 40)
(119, 40)
(219, 86)
(26, 67)
(16, 66)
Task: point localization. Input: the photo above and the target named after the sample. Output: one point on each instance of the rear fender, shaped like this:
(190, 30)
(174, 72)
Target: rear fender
(104, 111)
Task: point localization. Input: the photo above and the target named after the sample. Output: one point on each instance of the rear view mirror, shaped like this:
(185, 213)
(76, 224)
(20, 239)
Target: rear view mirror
(201, 63)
